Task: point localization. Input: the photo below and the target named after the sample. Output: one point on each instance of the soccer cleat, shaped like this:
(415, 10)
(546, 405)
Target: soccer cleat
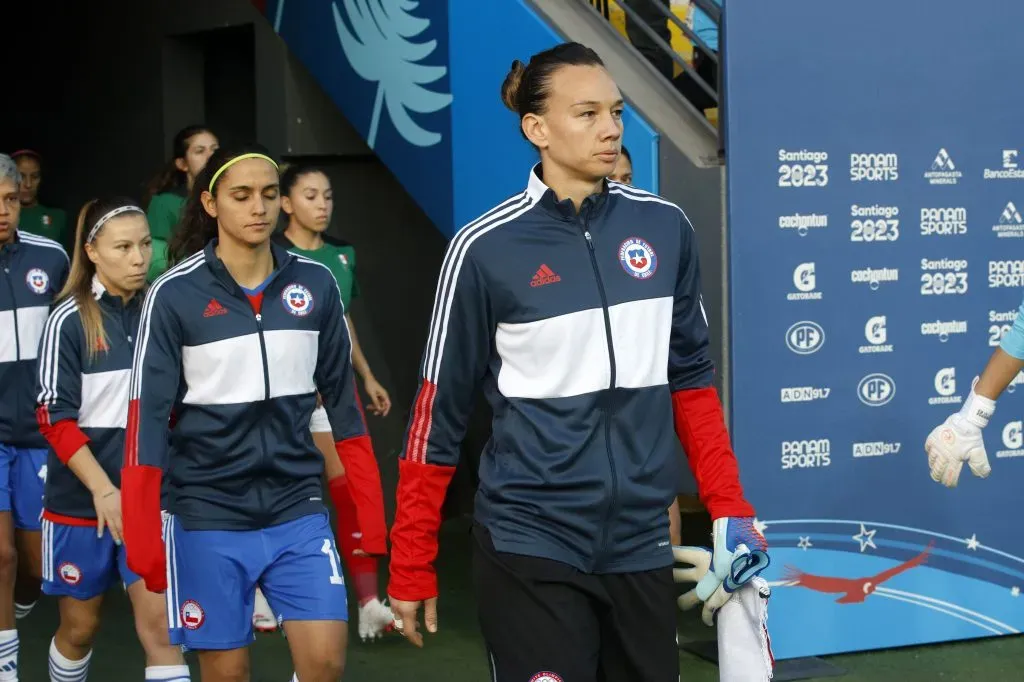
(263, 619)
(375, 618)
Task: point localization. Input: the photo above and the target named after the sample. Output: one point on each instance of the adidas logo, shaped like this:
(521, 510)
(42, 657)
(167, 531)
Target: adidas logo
(544, 275)
(213, 308)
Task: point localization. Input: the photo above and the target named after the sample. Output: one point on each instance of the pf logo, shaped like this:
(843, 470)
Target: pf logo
(876, 390)
(945, 381)
(875, 331)
(1013, 435)
(803, 277)
(804, 338)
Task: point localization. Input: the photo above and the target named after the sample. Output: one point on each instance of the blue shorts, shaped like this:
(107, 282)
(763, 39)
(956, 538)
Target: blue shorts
(212, 577)
(78, 564)
(22, 483)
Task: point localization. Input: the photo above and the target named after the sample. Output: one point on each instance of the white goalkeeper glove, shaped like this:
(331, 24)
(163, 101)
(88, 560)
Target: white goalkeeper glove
(699, 560)
(958, 440)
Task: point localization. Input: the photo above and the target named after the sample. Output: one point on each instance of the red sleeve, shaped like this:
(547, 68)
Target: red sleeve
(421, 493)
(700, 425)
(356, 456)
(64, 437)
(143, 541)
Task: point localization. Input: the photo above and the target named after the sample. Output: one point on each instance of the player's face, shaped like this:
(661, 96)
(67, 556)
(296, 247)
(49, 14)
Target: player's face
(200, 147)
(31, 175)
(10, 209)
(582, 127)
(623, 171)
(121, 252)
(311, 202)
(248, 201)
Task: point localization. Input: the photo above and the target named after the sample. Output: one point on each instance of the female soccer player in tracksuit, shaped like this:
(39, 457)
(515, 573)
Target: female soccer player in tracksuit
(959, 439)
(307, 198)
(237, 338)
(84, 371)
(577, 304)
(32, 270)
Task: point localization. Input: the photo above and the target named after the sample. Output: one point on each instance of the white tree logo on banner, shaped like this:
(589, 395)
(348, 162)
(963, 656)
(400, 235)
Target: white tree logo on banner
(381, 49)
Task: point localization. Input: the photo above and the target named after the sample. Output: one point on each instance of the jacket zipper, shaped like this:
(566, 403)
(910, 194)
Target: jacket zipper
(14, 309)
(613, 503)
(266, 398)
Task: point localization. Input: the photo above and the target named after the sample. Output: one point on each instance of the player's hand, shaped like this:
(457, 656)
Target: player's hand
(950, 444)
(407, 618)
(108, 513)
(699, 561)
(380, 401)
(739, 552)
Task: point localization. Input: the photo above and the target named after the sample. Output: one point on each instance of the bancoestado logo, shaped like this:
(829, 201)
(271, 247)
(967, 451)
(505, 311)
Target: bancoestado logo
(945, 388)
(943, 329)
(1010, 223)
(803, 223)
(943, 277)
(805, 168)
(1000, 322)
(876, 390)
(805, 283)
(943, 222)
(1005, 274)
(877, 448)
(805, 337)
(874, 277)
(875, 223)
(1013, 440)
(806, 454)
(804, 394)
(943, 170)
(877, 336)
(874, 167)
(1008, 170)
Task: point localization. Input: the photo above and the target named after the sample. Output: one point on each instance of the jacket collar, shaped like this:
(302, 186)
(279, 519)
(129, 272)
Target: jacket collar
(280, 255)
(542, 195)
(104, 297)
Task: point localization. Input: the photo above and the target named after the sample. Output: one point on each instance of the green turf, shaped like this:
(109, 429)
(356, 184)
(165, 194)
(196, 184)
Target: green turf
(455, 654)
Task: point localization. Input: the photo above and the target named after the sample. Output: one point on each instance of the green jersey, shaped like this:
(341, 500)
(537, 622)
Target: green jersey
(163, 213)
(340, 259)
(45, 222)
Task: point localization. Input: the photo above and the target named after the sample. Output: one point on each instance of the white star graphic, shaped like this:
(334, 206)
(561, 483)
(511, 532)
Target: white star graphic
(866, 538)
(972, 542)
(804, 543)
(1014, 591)
(759, 526)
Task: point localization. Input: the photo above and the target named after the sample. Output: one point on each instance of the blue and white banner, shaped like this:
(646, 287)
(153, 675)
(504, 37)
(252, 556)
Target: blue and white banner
(876, 190)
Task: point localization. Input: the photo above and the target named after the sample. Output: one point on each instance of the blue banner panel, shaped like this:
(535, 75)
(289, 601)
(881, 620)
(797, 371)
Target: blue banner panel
(875, 192)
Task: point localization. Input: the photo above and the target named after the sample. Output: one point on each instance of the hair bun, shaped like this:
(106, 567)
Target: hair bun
(510, 88)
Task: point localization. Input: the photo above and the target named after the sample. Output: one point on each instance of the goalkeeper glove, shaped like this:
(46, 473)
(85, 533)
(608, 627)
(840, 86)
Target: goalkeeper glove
(958, 440)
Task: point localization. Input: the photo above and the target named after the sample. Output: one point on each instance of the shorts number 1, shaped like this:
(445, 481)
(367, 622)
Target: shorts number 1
(328, 549)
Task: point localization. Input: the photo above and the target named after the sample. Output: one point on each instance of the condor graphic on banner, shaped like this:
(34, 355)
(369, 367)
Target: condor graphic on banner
(874, 264)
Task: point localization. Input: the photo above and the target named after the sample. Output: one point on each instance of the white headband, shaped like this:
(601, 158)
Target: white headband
(107, 216)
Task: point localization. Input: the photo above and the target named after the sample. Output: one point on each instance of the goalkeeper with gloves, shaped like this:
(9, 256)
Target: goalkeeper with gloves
(959, 438)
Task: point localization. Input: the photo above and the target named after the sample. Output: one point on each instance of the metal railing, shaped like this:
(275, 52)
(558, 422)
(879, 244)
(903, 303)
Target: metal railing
(633, 18)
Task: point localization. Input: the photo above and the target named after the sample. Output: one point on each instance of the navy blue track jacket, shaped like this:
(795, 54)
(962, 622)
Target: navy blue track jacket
(242, 374)
(33, 270)
(588, 333)
(83, 398)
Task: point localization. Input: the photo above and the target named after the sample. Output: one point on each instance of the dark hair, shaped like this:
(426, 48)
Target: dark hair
(294, 171)
(625, 152)
(79, 283)
(197, 227)
(527, 86)
(171, 177)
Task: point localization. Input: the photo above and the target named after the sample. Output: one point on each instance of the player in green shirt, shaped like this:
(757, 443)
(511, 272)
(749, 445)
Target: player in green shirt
(307, 199)
(167, 192)
(36, 218)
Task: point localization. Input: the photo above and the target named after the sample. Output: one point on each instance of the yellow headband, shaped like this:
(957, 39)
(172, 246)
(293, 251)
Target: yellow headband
(229, 164)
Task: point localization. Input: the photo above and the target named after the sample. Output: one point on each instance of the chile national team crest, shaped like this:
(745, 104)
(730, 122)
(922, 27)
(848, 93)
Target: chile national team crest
(638, 258)
(69, 573)
(38, 281)
(297, 300)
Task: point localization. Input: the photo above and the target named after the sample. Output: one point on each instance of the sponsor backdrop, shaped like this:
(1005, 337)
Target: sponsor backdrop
(876, 184)
(421, 82)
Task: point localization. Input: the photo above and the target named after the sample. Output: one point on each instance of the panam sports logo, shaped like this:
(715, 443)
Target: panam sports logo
(1005, 274)
(806, 337)
(806, 454)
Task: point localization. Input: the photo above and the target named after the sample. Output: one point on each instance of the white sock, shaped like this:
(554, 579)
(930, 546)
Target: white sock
(63, 669)
(22, 610)
(295, 677)
(9, 655)
(167, 673)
